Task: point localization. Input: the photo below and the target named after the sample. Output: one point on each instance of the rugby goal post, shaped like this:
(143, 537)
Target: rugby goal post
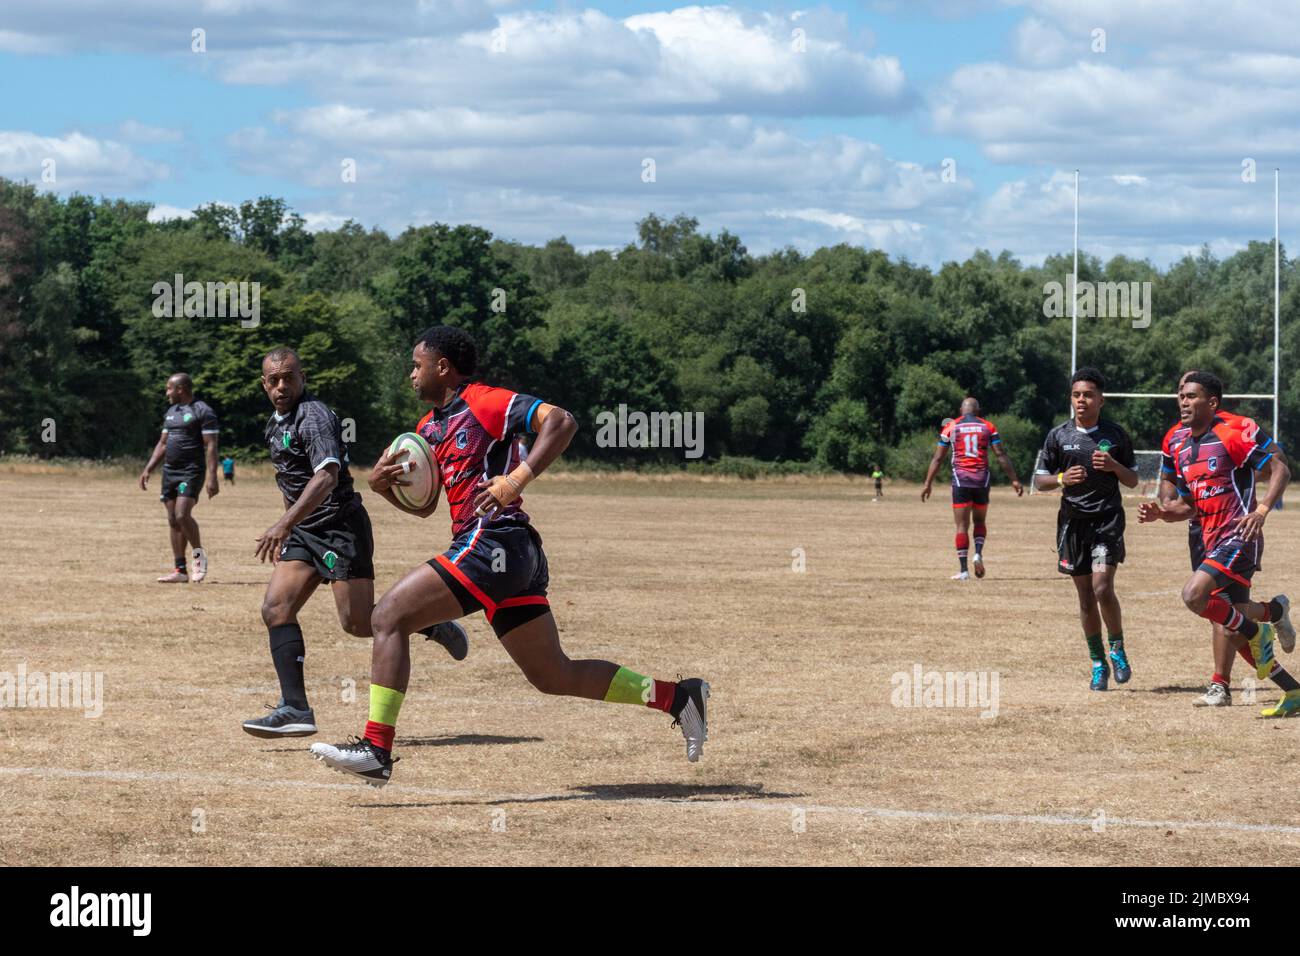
(1146, 455)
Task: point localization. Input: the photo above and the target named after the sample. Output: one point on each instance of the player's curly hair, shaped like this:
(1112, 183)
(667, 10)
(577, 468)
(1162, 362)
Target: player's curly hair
(1212, 384)
(453, 344)
(1089, 374)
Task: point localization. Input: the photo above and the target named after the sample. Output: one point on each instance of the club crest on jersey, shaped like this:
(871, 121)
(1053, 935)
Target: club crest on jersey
(285, 439)
(1213, 462)
(462, 438)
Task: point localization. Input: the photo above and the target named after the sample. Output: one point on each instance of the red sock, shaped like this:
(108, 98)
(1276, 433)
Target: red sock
(963, 544)
(662, 698)
(1219, 679)
(1246, 655)
(1220, 611)
(381, 735)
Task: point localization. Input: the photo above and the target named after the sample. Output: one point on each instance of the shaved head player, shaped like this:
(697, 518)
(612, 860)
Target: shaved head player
(323, 535)
(189, 433)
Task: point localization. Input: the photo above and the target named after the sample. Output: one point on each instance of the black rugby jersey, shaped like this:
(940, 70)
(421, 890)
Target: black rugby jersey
(302, 442)
(185, 426)
(1068, 445)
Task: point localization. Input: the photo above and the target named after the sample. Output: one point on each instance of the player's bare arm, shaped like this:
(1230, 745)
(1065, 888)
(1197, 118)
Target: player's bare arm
(272, 540)
(210, 449)
(1009, 468)
(1062, 479)
(555, 429)
(1167, 493)
(1162, 511)
(1103, 461)
(1278, 475)
(931, 472)
(159, 450)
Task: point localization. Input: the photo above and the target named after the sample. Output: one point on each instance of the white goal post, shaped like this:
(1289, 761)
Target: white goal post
(1149, 479)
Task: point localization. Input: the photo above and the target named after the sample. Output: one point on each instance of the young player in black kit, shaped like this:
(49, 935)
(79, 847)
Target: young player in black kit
(1089, 459)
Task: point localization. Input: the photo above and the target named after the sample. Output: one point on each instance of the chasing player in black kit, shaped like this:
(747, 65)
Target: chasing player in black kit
(323, 535)
(1090, 458)
(189, 433)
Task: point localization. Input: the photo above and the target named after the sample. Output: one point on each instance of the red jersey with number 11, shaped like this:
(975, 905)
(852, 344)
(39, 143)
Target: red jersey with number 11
(970, 438)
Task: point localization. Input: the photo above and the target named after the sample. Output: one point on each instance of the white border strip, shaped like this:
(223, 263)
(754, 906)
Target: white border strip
(785, 805)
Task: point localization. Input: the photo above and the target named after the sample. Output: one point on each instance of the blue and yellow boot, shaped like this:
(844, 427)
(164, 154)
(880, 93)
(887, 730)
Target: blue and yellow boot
(1261, 647)
(1288, 706)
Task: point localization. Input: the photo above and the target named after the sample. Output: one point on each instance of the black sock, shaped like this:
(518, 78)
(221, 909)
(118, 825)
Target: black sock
(1284, 680)
(180, 562)
(1274, 612)
(287, 652)
(962, 562)
(1247, 628)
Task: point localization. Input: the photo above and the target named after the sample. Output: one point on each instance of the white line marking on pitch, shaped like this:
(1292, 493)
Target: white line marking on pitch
(787, 803)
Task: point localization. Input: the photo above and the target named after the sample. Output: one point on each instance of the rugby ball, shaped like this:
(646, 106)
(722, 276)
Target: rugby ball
(423, 476)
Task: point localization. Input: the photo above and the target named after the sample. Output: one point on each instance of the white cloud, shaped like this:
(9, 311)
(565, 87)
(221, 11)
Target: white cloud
(691, 60)
(1041, 44)
(1160, 219)
(161, 212)
(80, 163)
(136, 132)
(163, 26)
(899, 236)
(1173, 27)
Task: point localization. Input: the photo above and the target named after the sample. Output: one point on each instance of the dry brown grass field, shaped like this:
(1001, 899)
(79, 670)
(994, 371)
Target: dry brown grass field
(808, 762)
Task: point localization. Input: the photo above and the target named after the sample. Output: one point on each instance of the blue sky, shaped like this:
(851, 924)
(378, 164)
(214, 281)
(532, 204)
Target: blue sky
(534, 120)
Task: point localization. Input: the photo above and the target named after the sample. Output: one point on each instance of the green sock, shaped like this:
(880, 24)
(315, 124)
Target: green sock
(629, 687)
(385, 704)
(1095, 649)
(1116, 641)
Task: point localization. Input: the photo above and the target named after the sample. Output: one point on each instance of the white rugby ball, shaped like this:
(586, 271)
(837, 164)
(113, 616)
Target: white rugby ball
(423, 476)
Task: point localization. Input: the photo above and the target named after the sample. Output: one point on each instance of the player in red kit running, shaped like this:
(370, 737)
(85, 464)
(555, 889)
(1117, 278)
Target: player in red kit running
(1218, 693)
(969, 439)
(1215, 466)
(495, 563)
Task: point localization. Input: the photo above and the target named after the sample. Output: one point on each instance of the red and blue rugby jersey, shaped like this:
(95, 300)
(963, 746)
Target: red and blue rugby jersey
(476, 436)
(1177, 432)
(970, 439)
(1216, 472)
